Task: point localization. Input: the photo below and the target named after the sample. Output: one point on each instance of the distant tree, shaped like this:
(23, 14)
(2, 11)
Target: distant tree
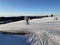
(51, 15)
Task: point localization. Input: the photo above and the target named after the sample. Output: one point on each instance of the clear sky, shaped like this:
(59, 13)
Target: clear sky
(29, 7)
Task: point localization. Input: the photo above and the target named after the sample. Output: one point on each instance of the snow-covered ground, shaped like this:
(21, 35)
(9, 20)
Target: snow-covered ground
(45, 31)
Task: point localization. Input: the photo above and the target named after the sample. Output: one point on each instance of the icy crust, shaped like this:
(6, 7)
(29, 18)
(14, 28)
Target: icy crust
(43, 38)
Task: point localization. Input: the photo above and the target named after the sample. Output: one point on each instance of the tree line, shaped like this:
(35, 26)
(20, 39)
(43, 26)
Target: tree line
(4, 20)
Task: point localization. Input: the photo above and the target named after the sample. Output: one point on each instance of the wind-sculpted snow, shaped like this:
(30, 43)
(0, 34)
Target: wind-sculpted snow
(43, 38)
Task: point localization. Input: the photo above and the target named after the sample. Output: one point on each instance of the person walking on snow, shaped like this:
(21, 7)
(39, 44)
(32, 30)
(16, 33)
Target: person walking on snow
(27, 21)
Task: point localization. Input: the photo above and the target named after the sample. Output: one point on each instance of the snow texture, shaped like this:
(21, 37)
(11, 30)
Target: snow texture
(45, 31)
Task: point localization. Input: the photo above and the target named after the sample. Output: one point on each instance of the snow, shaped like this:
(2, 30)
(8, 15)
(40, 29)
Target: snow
(57, 16)
(45, 31)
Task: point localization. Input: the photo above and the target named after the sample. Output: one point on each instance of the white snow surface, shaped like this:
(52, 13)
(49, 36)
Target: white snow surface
(45, 31)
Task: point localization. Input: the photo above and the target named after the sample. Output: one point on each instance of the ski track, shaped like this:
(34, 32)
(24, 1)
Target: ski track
(43, 38)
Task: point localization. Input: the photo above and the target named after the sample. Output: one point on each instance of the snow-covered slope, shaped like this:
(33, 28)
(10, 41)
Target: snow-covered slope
(57, 16)
(45, 31)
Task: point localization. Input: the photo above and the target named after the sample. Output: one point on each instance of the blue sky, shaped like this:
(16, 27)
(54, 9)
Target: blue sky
(29, 7)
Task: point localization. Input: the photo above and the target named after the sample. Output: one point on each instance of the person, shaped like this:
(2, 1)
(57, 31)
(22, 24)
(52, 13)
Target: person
(56, 18)
(27, 21)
